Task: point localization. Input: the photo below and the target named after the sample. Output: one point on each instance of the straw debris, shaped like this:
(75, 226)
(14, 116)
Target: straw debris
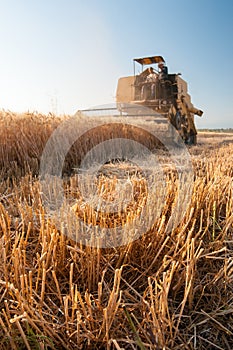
(162, 291)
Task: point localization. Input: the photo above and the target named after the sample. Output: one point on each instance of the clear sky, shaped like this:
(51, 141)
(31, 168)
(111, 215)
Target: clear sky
(65, 55)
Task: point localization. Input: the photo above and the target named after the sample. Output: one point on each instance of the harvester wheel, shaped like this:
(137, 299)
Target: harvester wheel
(178, 120)
(191, 139)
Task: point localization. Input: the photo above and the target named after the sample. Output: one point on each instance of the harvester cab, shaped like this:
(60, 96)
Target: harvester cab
(165, 93)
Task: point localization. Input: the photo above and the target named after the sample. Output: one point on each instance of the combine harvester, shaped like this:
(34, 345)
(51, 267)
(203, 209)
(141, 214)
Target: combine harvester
(167, 94)
(154, 95)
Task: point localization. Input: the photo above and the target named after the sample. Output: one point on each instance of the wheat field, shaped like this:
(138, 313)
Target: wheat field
(161, 291)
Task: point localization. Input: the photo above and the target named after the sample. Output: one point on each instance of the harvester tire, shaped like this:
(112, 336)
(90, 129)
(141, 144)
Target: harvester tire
(178, 120)
(191, 139)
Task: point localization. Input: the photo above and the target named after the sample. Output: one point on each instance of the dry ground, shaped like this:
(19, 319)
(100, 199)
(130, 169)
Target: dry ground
(163, 291)
(214, 138)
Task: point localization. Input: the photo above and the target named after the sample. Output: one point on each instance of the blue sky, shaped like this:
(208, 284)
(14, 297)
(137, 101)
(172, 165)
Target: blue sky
(64, 55)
